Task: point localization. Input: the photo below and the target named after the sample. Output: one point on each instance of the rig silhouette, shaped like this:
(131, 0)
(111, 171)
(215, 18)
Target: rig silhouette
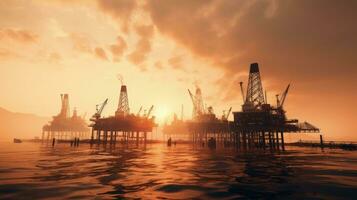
(257, 125)
(123, 125)
(63, 126)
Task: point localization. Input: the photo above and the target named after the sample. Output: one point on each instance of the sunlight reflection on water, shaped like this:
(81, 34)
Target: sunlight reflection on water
(36, 171)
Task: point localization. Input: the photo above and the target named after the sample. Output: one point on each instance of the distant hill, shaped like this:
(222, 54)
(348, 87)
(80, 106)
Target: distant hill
(20, 125)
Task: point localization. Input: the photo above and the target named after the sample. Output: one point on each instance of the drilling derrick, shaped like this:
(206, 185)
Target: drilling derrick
(255, 95)
(126, 126)
(260, 123)
(65, 106)
(197, 103)
(123, 106)
(64, 126)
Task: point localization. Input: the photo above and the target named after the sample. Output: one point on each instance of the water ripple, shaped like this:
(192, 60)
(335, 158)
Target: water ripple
(38, 171)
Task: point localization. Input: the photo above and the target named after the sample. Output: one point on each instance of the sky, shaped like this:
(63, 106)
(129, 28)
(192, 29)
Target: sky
(163, 48)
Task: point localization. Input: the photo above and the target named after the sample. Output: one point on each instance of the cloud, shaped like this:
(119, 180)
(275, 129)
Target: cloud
(176, 62)
(142, 67)
(54, 57)
(292, 40)
(18, 35)
(118, 48)
(81, 43)
(121, 10)
(158, 65)
(143, 46)
(5, 54)
(100, 53)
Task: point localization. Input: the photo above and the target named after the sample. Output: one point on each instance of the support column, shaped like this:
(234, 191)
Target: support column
(145, 136)
(270, 141)
(99, 133)
(48, 135)
(244, 140)
(238, 140)
(273, 139)
(282, 140)
(43, 135)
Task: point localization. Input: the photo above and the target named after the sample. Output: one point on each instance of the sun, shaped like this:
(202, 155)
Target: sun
(161, 114)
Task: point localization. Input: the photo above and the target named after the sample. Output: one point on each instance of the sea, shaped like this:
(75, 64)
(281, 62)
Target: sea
(182, 171)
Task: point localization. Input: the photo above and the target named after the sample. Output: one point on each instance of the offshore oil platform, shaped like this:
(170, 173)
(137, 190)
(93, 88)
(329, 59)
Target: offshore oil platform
(124, 126)
(258, 125)
(66, 127)
(177, 129)
(203, 125)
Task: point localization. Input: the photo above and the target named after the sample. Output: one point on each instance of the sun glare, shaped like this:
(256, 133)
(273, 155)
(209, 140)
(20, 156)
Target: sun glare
(161, 113)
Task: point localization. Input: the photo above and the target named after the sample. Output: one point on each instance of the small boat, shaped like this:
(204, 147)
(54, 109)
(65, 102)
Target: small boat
(17, 140)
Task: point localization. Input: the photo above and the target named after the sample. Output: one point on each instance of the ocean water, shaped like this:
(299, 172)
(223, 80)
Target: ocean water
(36, 171)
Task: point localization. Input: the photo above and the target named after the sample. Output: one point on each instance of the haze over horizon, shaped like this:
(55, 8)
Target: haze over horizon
(161, 48)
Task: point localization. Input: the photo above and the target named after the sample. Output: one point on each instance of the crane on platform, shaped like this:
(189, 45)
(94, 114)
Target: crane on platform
(226, 115)
(150, 111)
(197, 101)
(280, 101)
(147, 115)
(99, 109)
(191, 95)
(193, 103)
(242, 90)
(141, 108)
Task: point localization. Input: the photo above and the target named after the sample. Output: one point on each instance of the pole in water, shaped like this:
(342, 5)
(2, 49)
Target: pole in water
(53, 141)
(169, 142)
(321, 142)
(77, 142)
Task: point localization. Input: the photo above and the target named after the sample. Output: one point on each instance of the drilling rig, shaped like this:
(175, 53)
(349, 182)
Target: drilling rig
(255, 109)
(123, 124)
(63, 125)
(123, 105)
(258, 118)
(99, 109)
(197, 102)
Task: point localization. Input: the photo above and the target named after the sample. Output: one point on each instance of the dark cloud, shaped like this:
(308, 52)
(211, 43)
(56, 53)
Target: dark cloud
(118, 48)
(299, 40)
(19, 35)
(100, 53)
(121, 10)
(143, 46)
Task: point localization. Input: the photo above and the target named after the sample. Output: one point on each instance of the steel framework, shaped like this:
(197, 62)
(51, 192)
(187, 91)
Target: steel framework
(255, 92)
(123, 106)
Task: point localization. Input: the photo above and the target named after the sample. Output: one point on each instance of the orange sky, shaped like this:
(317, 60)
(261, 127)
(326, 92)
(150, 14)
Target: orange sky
(161, 48)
